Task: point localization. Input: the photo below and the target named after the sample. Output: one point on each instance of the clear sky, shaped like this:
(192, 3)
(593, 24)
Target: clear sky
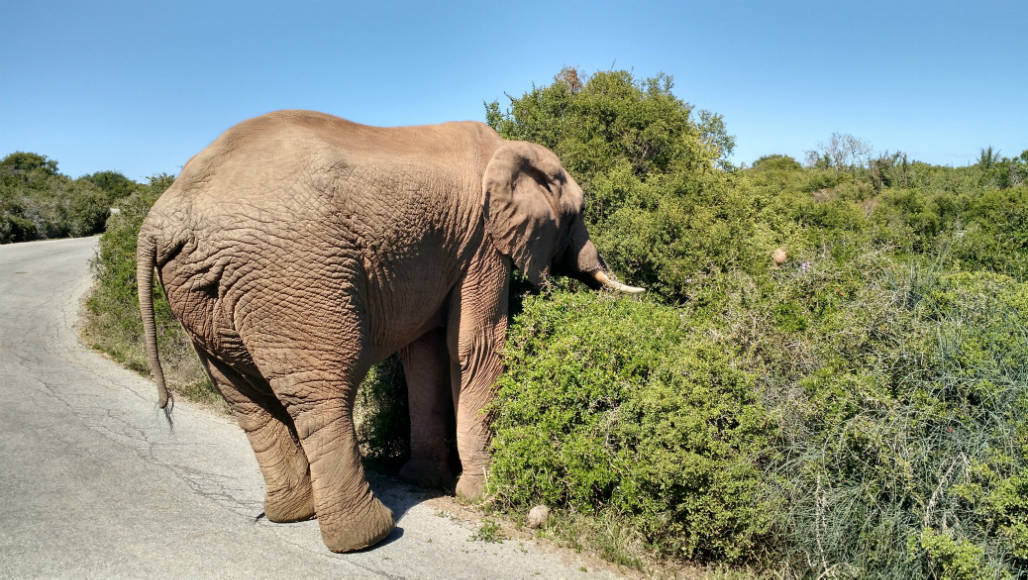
(139, 86)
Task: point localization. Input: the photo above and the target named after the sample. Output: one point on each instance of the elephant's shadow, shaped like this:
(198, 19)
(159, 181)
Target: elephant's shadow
(397, 495)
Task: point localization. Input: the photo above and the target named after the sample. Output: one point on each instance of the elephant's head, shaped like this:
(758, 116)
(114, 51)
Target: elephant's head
(533, 212)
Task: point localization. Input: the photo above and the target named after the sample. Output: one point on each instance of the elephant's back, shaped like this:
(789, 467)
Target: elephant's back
(264, 159)
(284, 138)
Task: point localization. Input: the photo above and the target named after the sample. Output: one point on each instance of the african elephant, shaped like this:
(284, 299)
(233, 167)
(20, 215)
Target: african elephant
(299, 249)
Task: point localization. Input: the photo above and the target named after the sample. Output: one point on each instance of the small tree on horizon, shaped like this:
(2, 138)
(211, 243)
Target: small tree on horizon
(842, 152)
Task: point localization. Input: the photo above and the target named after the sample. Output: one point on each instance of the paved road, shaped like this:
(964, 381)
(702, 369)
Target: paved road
(93, 483)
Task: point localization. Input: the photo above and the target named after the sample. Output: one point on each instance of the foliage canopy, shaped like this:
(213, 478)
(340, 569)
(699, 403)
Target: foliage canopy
(861, 401)
(36, 201)
(659, 195)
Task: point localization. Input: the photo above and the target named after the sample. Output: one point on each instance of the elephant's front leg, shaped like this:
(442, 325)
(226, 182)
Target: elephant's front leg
(426, 366)
(476, 334)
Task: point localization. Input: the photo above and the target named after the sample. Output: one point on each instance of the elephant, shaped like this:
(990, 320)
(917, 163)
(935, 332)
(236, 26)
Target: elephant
(299, 249)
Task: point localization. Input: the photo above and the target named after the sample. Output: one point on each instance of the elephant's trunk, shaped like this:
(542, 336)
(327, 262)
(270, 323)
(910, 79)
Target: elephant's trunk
(585, 264)
(146, 257)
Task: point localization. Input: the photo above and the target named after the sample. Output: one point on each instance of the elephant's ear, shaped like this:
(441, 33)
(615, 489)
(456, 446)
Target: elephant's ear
(521, 187)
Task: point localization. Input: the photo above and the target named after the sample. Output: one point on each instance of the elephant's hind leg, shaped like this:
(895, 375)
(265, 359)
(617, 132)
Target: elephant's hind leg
(426, 366)
(312, 352)
(350, 516)
(274, 441)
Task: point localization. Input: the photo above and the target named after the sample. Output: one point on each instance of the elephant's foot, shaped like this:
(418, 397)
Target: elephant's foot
(471, 485)
(427, 473)
(293, 505)
(356, 529)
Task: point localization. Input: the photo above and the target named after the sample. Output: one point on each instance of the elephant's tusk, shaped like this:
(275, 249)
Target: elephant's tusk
(605, 280)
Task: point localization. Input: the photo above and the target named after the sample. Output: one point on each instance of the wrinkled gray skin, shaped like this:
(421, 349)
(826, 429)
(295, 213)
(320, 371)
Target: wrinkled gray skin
(299, 249)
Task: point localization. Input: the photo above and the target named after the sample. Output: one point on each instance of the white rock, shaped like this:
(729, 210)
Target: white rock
(537, 516)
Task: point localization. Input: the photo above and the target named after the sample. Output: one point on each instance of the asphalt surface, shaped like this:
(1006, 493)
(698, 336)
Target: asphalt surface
(93, 483)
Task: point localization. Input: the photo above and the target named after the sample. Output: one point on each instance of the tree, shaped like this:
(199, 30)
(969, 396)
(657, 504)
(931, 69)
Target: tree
(842, 152)
(113, 183)
(987, 157)
(888, 170)
(21, 162)
(776, 163)
(610, 119)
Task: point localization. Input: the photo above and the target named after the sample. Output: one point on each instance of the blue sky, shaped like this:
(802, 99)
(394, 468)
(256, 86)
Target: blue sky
(139, 87)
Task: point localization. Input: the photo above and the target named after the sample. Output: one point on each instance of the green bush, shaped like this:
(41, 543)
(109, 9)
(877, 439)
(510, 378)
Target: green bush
(382, 416)
(776, 163)
(996, 236)
(884, 359)
(15, 228)
(919, 385)
(953, 558)
(38, 202)
(858, 416)
(616, 409)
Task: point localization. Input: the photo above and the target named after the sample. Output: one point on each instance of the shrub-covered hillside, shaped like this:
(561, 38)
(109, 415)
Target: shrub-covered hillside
(828, 376)
(37, 202)
(856, 410)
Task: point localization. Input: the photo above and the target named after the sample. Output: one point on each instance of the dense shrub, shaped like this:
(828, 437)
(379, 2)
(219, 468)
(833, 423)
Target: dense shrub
(996, 233)
(847, 417)
(884, 359)
(382, 417)
(918, 382)
(38, 202)
(613, 408)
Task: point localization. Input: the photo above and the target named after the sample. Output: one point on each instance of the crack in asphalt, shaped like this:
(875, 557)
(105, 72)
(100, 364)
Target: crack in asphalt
(124, 433)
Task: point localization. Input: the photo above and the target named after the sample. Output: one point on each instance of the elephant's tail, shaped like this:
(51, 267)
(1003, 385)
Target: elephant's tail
(146, 255)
